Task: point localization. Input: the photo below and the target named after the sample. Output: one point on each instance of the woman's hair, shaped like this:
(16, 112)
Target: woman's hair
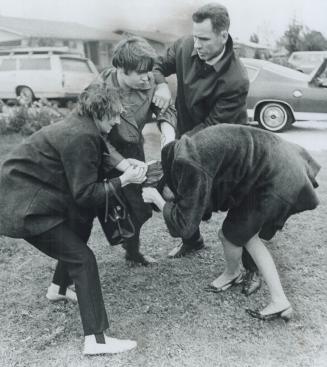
(134, 54)
(98, 100)
(218, 15)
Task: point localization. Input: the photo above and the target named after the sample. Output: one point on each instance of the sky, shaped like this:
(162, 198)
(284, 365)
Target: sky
(267, 18)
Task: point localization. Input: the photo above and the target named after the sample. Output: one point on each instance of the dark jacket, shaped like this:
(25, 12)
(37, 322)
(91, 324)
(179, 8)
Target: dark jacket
(206, 95)
(126, 140)
(225, 166)
(52, 176)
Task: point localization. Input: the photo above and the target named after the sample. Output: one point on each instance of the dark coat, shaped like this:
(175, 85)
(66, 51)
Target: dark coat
(258, 177)
(206, 95)
(126, 140)
(52, 176)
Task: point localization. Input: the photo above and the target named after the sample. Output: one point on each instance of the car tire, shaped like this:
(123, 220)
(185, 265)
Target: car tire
(274, 117)
(26, 94)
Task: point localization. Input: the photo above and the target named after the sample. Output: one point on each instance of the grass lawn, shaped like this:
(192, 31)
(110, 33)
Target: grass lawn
(164, 307)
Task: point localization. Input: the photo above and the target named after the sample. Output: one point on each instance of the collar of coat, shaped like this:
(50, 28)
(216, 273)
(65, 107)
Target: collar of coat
(109, 75)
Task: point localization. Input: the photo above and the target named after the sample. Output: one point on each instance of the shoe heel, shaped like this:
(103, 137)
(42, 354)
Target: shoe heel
(287, 314)
(239, 279)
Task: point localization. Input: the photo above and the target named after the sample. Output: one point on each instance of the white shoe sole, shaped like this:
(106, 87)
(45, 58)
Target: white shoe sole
(109, 348)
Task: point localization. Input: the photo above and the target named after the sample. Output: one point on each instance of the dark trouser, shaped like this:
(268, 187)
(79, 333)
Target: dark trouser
(132, 245)
(248, 262)
(76, 263)
(196, 240)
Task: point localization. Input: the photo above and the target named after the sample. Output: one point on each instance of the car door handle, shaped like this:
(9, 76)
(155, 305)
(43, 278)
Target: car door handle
(297, 94)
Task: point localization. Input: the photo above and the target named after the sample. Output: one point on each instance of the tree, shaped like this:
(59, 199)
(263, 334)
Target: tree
(314, 41)
(254, 38)
(300, 38)
(292, 38)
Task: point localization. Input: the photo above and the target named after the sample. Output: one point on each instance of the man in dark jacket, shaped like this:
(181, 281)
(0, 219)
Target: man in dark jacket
(212, 87)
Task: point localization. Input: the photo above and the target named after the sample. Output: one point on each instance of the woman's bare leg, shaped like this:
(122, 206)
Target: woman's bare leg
(267, 267)
(233, 255)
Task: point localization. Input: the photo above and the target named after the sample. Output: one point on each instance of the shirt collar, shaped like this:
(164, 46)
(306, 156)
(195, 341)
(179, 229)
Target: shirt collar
(213, 62)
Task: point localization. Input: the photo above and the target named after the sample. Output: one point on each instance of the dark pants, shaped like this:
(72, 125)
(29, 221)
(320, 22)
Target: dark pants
(196, 240)
(76, 263)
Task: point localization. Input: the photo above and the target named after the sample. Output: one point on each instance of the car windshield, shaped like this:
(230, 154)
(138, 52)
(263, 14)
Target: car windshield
(308, 58)
(286, 72)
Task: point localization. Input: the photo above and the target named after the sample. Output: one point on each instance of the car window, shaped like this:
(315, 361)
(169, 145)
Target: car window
(286, 72)
(75, 65)
(35, 64)
(307, 57)
(8, 64)
(252, 72)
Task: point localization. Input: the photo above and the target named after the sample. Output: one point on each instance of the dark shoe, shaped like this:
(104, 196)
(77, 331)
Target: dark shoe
(231, 283)
(285, 314)
(137, 258)
(181, 250)
(252, 282)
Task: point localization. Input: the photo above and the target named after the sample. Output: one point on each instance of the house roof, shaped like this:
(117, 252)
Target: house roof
(39, 28)
(251, 44)
(156, 36)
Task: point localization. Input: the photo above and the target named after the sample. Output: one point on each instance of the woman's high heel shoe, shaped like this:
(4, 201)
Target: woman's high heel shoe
(285, 314)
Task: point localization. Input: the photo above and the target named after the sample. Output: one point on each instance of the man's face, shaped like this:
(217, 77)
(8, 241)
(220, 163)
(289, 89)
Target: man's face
(135, 80)
(208, 43)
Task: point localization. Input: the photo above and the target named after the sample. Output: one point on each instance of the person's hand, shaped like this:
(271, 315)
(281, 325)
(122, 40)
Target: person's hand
(136, 163)
(162, 96)
(167, 194)
(151, 195)
(135, 175)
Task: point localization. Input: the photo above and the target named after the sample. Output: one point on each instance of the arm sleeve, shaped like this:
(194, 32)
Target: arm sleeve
(112, 159)
(169, 116)
(184, 215)
(82, 171)
(165, 65)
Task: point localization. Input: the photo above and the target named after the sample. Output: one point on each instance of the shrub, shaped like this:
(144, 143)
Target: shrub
(26, 120)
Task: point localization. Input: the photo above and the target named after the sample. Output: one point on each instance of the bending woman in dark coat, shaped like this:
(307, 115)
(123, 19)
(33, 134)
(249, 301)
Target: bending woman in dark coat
(50, 188)
(258, 178)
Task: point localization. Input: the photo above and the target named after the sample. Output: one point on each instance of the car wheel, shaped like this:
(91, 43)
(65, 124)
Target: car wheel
(26, 95)
(274, 117)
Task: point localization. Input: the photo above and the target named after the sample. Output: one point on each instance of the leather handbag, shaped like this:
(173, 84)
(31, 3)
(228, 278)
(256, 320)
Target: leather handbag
(121, 224)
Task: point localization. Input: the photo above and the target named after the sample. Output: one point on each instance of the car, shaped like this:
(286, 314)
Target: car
(44, 72)
(306, 61)
(279, 96)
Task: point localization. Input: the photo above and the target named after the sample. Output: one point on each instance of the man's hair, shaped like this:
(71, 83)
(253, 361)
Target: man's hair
(98, 100)
(134, 54)
(218, 15)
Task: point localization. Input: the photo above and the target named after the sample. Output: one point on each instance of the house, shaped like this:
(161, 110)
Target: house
(158, 40)
(93, 43)
(251, 49)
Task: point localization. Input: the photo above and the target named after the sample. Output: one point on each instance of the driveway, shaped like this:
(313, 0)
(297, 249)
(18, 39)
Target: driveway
(312, 135)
